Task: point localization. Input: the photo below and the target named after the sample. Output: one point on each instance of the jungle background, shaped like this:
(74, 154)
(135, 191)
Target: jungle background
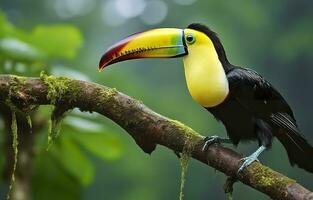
(93, 158)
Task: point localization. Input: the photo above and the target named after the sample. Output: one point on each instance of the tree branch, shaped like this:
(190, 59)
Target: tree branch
(146, 127)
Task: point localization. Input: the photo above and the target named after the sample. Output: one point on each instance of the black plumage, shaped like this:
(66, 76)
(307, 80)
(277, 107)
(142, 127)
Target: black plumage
(255, 110)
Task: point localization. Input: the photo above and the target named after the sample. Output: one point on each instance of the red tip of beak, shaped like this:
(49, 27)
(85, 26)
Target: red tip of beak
(112, 55)
(106, 59)
(103, 62)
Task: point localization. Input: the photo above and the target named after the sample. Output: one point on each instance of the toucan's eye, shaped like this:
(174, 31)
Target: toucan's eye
(190, 39)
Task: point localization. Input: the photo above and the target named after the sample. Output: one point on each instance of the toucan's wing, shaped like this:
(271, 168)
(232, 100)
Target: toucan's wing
(260, 98)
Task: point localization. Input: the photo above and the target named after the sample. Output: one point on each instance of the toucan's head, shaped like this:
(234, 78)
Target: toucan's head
(205, 61)
(163, 43)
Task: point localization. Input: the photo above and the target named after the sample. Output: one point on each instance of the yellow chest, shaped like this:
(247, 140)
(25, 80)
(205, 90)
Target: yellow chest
(206, 79)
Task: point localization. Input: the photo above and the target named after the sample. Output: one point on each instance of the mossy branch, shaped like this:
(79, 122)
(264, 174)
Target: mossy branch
(146, 127)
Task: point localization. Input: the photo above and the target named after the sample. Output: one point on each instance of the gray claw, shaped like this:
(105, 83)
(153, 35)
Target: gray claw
(247, 162)
(209, 141)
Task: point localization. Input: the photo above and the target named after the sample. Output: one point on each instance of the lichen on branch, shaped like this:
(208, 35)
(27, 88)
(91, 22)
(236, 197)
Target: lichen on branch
(57, 87)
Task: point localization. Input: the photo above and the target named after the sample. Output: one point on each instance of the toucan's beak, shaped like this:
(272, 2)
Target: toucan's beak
(155, 43)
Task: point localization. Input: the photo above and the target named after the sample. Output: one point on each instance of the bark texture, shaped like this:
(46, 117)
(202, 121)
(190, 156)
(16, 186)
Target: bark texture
(147, 127)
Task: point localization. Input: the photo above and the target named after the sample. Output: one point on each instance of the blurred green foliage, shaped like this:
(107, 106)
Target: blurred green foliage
(273, 37)
(63, 41)
(28, 53)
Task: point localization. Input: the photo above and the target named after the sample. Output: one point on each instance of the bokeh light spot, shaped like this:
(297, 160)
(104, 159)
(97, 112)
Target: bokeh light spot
(185, 2)
(72, 8)
(129, 9)
(110, 15)
(155, 12)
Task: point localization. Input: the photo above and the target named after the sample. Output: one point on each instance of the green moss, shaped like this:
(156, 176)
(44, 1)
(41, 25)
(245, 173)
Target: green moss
(229, 196)
(266, 181)
(55, 124)
(54, 130)
(191, 133)
(15, 151)
(184, 161)
(108, 93)
(17, 80)
(57, 86)
(191, 139)
(263, 177)
(51, 134)
(16, 83)
(74, 90)
(15, 92)
(29, 121)
(139, 101)
(105, 94)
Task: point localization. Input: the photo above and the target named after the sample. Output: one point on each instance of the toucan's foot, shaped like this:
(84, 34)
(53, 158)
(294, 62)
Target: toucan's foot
(212, 140)
(209, 141)
(247, 161)
(250, 159)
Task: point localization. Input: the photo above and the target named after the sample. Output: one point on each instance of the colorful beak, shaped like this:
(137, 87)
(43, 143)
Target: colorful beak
(155, 43)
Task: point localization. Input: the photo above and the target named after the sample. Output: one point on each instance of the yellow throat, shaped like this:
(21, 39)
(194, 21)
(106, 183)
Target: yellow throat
(206, 79)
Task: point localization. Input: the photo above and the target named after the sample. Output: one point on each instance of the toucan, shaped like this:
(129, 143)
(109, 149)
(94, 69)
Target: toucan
(248, 105)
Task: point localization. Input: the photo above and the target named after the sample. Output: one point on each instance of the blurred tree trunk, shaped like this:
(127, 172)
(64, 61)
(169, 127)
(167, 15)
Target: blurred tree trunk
(21, 188)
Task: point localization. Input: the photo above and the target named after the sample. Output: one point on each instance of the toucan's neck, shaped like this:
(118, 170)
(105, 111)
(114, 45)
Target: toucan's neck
(219, 48)
(221, 54)
(205, 75)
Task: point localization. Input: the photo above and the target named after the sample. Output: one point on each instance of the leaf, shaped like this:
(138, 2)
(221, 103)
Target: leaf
(94, 138)
(84, 125)
(17, 50)
(51, 181)
(60, 70)
(5, 27)
(43, 44)
(73, 160)
(58, 41)
(100, 144)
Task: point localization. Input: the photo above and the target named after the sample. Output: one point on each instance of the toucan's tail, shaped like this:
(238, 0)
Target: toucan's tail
(299, 151)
